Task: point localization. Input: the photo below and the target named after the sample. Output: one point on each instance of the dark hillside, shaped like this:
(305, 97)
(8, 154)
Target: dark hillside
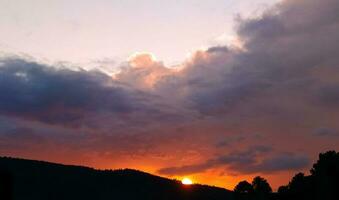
(28, 179)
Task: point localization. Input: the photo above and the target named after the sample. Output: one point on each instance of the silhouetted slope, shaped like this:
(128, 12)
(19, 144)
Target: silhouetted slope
(29, 179)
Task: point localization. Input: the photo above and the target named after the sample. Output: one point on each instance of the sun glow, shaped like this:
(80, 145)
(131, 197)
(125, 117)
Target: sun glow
(187, 181)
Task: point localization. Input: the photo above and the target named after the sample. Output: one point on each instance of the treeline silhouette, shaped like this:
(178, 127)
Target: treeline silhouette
(321, 184)
(29, 179)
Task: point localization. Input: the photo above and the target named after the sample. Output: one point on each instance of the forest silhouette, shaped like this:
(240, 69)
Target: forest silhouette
(29, 179)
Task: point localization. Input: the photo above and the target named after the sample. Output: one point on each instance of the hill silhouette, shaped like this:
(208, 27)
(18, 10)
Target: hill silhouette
(30, 179)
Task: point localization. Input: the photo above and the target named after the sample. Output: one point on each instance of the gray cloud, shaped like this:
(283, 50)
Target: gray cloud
(256, 159)
(61, 96)
(33, 90)
(229, 141)
(243, 158)
(279, 162)
(323, 132)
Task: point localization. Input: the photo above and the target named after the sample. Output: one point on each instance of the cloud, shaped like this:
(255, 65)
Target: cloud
(32, 90)
(242, 158)
(280, 162)
(282, 57)
(186, 169)
(62, 96)
(230, 141)
(253, 160)
(323, 132)
(143, 71)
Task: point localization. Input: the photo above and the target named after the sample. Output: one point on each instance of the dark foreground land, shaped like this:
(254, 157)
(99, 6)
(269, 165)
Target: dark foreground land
(38, 180)
(35, 180)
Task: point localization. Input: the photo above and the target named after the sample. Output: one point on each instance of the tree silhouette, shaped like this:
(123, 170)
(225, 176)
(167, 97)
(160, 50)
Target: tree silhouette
(5, 185)
(326, 174)
(258, 190)
(322, 184)
(297, 183)
(243, 187)
(327, 165)
(283, 190)
(301, 187)
(261, 186)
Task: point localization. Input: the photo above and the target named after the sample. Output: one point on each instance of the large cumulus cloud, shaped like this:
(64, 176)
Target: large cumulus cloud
(285, 53)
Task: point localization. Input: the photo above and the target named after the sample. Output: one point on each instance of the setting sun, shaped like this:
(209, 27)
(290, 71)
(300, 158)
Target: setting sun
(187, 181)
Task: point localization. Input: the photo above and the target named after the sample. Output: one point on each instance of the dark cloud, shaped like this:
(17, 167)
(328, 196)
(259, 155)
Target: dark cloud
(253, 160)
(230, 141)
(186, 169)
(243, 158)
(324, 132)
(61, 96)
(328, 95)
(32, 90)
(279, 162)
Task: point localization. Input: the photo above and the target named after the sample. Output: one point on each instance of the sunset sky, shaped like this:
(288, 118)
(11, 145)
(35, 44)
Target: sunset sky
(218, 91)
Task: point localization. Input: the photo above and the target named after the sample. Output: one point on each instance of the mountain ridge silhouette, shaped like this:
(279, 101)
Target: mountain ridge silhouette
(33, 179)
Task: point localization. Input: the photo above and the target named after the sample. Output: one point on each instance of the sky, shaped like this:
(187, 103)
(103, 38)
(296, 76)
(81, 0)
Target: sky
(81, 31)
(217, 91)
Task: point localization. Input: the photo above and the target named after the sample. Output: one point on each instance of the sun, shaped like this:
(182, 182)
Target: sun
(187, 181)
